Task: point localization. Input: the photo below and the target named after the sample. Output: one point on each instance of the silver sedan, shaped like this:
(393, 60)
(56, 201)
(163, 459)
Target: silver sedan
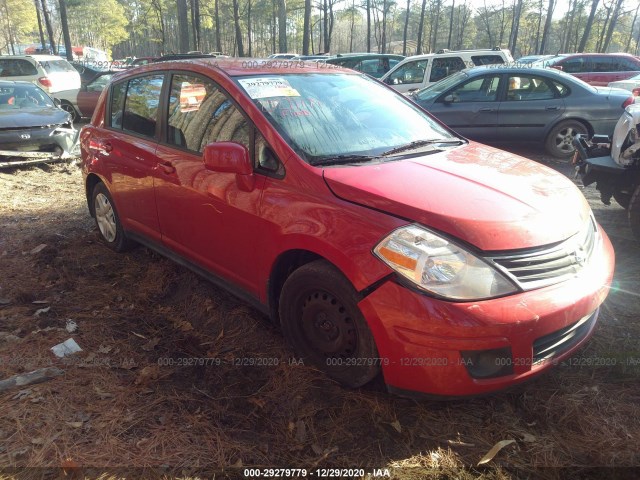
(502, 103)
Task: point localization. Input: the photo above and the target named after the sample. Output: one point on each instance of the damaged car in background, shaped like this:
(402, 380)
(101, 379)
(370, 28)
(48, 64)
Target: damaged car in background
(33, 129)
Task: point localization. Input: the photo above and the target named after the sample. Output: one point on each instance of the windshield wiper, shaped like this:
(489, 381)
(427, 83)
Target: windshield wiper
(340, 160)
(422, 143)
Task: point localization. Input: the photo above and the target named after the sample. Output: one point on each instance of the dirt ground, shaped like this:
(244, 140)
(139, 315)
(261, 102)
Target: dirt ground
(126, 402)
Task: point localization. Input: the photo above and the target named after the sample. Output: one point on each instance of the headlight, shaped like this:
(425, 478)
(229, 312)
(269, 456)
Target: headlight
(438, 266)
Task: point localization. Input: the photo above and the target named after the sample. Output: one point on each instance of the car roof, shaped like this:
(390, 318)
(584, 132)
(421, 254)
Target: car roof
(365, 56)
(35, 57)
(11, 83)
(619, 54)
(446, 53)
(234, 67)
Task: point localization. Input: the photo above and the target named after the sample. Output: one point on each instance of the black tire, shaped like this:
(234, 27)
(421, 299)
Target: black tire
(321, 320)
(559, 140)
(634, 212)
(622, 198)
(107, 220)
(67, 107)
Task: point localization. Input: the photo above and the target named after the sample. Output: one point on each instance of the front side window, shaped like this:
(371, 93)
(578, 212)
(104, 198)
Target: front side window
(604, 64)
(575, 65)
(412, 72)
(443, 67)
(99, 83)
(141, 105)
(323, 116)
(483, 89)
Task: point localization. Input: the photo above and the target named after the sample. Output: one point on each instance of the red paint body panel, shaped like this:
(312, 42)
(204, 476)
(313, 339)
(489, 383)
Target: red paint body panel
(435, 331)
(487, 198)
(492, 199)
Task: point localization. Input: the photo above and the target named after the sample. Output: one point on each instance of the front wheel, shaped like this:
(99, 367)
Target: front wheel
(67, 107)
(634, 212)
(559, 142)
(321, 320)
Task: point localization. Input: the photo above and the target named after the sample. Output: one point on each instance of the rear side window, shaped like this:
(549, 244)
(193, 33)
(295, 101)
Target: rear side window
(624, 64)
(16, 67)
(118, 93)
(604, 64)
(486, 59)
(411, 72)
(443, 67)
(57, 66)
(141, 105)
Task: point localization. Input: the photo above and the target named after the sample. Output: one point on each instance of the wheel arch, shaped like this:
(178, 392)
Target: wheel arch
(583, 121)
(90, 183)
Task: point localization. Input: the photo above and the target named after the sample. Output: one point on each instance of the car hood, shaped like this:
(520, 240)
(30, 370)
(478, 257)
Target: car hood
(486, 197)
(32, 117)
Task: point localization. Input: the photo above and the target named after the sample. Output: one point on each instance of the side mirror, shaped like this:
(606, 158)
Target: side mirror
(557, 67)
(230, 157)
(57, 102)
(449, 99)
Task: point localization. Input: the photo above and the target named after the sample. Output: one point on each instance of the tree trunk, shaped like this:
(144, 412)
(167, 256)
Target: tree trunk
(538, 26)
(236, 21)
(434, 45)
(183, 26)
(218, 39)
(369, 25)
(604, 28)
(635, 17)
(547, 27)
(453, 10)
(353, 23)
(325, 24)
(406, 28)
(384, 27)
(421, 27)
(588, 26)
(515, 27)
(306, 29)
(65, 29)
(282, 26)
(249, 26)
(195, 20)
(612, 26)
(485, 17)
(39, 24)
(47, 22)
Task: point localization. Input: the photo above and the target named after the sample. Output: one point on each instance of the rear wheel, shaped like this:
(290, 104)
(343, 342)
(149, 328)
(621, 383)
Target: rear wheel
(107, 220)
(321, 320)
(634, 212)
(560, 138)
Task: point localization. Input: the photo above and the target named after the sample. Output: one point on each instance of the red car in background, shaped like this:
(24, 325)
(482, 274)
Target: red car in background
(597, 69)
(380, 240)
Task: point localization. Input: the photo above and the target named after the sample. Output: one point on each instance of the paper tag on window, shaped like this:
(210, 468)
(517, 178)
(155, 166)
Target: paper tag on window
(268, 87)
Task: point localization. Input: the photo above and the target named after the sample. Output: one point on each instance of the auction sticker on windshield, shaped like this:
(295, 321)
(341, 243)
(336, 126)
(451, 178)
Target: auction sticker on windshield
(268, 87)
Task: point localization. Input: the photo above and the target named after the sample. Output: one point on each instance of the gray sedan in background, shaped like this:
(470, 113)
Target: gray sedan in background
(493, 103)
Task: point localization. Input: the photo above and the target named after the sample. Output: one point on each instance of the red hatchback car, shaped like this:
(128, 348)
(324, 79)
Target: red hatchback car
(598, 69)
(376, 237)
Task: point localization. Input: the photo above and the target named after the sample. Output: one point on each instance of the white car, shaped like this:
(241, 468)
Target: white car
(51, 73)
(632, 84)
(419, 71)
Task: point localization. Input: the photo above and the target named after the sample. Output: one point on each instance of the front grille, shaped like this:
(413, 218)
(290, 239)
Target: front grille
(556, 343)
(541, 267)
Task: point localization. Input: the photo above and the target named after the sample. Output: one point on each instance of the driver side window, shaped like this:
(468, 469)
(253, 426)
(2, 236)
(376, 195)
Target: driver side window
(483, 89)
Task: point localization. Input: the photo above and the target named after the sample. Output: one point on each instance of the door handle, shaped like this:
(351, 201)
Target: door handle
(167, 167)
(107, 147)
(552, 108)
(487, 109)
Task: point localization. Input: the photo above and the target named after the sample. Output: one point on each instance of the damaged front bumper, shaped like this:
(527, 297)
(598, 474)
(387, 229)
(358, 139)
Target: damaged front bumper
(38, 145)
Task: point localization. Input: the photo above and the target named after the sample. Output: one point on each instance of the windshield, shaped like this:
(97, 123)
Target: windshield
(23, 96)
(443, 85)
(338, 115)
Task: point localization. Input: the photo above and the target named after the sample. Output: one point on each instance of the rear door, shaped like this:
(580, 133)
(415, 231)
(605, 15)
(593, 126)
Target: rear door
(530, 103)
(88, 95)
(126, 149)
(578, 66)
